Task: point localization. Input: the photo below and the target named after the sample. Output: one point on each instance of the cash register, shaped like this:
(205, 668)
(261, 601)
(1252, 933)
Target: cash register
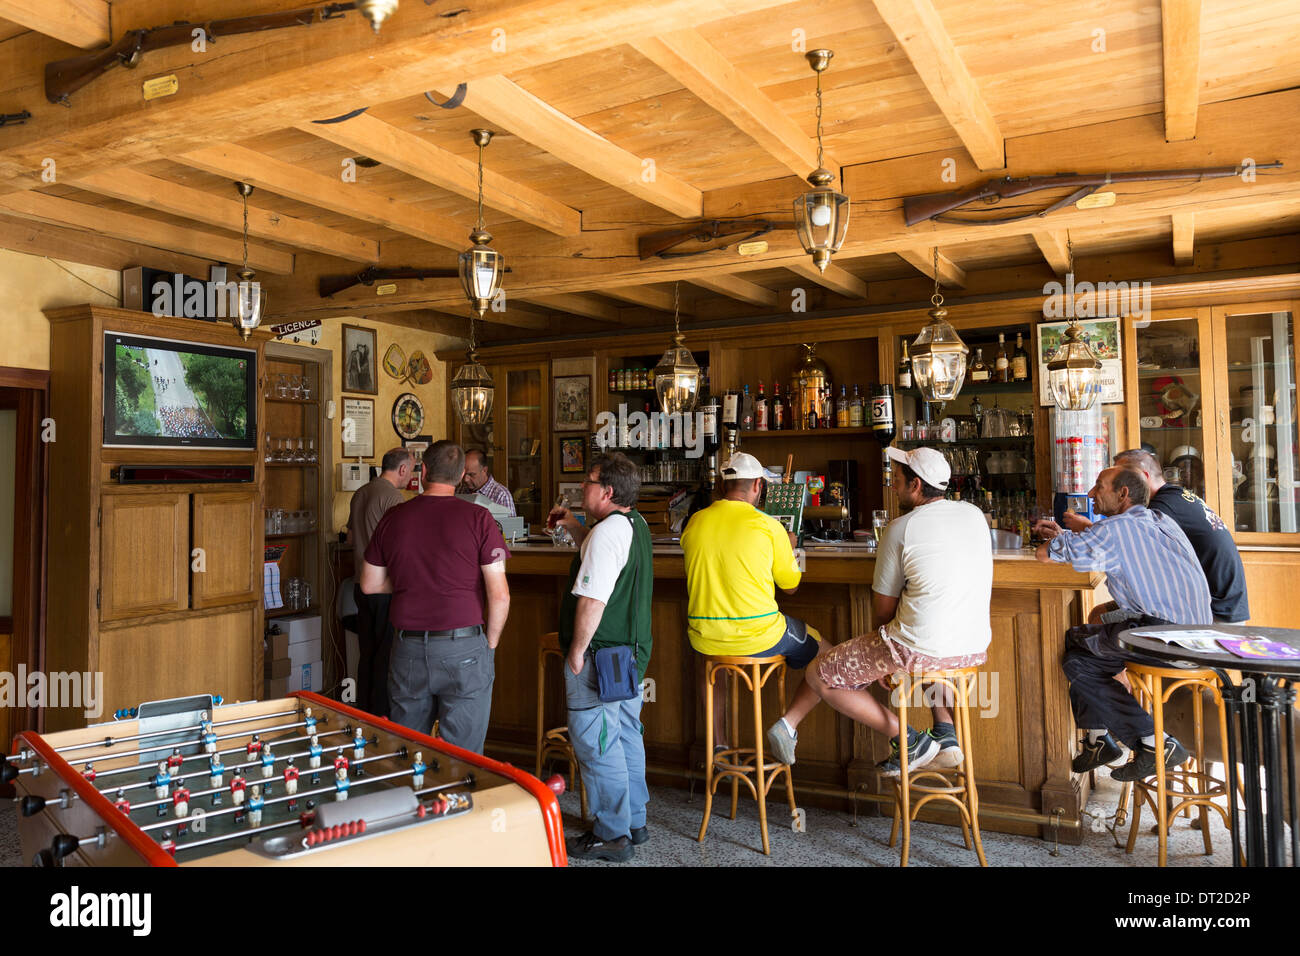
(513, 527)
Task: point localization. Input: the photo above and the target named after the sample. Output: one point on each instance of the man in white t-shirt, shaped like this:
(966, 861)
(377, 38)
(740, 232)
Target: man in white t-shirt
(930, 594)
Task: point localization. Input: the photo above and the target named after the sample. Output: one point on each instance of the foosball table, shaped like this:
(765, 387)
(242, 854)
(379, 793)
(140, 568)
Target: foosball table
(303, 781)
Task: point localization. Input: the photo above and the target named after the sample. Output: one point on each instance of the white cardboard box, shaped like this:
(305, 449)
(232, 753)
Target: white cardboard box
(308, 676)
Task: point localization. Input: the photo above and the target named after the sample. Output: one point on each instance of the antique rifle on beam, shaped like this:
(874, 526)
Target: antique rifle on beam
(65, 77)
(330, 286)
(938, 206)
(664, 245)
(14, 119)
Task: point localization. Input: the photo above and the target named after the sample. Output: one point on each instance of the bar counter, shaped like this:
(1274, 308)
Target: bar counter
(1023, 743)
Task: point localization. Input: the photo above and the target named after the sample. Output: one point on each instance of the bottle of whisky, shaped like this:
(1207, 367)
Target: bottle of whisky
(1002, 364)
(777, 412)
(760, 410)
(855, 410)
(746, 411)
(826, 411)
(1020, 361)
(904, 369)
(979, 372)
(842, 408)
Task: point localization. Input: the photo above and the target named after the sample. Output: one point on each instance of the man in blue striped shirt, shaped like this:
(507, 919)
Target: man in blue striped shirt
(1155, 578)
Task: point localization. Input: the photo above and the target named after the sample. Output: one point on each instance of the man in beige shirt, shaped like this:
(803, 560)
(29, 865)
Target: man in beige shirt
(374, 637)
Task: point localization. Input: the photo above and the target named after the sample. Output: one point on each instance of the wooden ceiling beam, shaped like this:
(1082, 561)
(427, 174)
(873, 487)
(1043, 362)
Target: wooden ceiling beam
(1184, 224)
(417, 157)
(950, 273)
(199, 205)
(835, 278)
(1054, 245)
(917, 26)
(511, 107)
(1180, 35)
(696, 64)
(165, 235)
(82, 23)
(575, 304)
(92, 249)
(285, 179)
(425, 320)
(659, 299)
(737, 288)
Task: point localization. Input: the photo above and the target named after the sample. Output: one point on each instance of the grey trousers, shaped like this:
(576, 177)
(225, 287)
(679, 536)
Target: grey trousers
(449, 679)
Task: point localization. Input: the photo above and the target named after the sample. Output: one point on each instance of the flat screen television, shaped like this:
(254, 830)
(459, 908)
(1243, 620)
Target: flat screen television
(166, 393)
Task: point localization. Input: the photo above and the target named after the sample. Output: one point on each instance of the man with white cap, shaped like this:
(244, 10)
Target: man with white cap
(930, 597)
(736, 557)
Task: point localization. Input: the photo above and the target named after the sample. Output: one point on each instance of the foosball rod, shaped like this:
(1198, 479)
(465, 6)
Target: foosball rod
(111, 741)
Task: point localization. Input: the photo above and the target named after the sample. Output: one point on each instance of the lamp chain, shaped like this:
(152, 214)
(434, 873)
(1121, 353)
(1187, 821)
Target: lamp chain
(677, 325)
(937, 299)
(471, 330)
(821, 161)
(480, 187)
(244, 196)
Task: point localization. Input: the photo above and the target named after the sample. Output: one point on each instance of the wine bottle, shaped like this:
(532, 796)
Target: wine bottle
(842, 408)
(979, 372)
(777, 411)
(1002, 365)
(1020, 361)
(760, 410)
(730, 408)
(904, 369)
(855, 409)
(746, 412)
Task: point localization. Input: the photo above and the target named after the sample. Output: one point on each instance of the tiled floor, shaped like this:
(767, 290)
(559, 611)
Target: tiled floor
(829, 840)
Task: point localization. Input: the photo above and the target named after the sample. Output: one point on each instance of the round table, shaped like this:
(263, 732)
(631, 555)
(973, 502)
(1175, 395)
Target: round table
(1261, 704)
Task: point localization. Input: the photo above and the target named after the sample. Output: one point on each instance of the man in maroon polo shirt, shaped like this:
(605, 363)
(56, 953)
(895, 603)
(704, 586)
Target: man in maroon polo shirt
(444, 562)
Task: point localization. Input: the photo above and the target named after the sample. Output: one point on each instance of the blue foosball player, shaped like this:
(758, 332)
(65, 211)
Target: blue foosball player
(417, 771)
(161, 782)
(341, 783)
(215, 770)
(255, 804)
(309, 722)
(314, 754)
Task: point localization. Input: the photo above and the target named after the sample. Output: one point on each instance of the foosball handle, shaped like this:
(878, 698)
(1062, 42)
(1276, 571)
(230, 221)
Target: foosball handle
(31, 805)
(63, 845)
(556, 784)
(8, 772)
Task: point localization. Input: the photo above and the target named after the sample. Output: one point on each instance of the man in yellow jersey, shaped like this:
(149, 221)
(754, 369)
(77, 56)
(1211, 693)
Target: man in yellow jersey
(736, 556)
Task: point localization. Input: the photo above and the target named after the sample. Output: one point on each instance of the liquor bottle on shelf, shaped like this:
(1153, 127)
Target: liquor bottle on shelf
(904, 369)
(746, 411)
(709, 410)
(842, 408)
(882, 413)
(855, 409)
(979, 372)
(777, 412)
(826, 413)
(760, 410)
(810, 414)
(1002, 364)
(731, 409)
(1020, 361)
(613, 380)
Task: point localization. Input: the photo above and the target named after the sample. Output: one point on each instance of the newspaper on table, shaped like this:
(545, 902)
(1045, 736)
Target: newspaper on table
(1246, 646)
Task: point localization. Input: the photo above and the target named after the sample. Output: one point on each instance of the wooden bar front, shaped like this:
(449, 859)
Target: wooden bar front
(1023, 744)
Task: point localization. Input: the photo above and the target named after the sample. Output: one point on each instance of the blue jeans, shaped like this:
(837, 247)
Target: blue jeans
(607, 739)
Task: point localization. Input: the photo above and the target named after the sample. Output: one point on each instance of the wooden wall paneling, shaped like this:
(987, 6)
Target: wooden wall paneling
(1061, 787)
(1271, 578)
(144, 548)
(227, 527)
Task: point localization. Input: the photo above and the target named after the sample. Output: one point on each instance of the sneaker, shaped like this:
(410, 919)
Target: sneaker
(949, 755)
(1104, 751)
(781, 742)
(639, 835)
(591, 847)
(921, 749)
(1143, 764)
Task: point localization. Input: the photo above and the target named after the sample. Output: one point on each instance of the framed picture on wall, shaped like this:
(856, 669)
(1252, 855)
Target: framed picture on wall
(1103, 335)
(358, 427)
(573, 456)
(571, 410)
(360, 361)
(571, 492)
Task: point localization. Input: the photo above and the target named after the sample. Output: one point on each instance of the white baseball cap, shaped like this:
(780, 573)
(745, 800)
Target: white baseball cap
(930, 466)
(741, 465)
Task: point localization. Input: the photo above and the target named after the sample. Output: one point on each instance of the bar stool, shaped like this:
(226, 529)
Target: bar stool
(555, 741)
(737, 763)
(955, 785)
(1196, 787)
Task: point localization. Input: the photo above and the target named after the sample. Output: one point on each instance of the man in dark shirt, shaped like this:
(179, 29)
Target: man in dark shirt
(1208, 533)
(444, 561)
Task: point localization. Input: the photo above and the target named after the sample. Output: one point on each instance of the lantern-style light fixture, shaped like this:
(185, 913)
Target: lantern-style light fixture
(1074, 372)
(377, 11)
(821, 215)
(472, 388)
(481, 266)
(939, 354)
(677, 376)
(250, 300)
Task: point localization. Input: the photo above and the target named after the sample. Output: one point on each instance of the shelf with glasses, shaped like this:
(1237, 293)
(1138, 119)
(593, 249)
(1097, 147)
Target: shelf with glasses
(290, 464)
(858, 432)
(310, 402)
(935, 442)
(987, 388)
(290, 534)
(286, 611)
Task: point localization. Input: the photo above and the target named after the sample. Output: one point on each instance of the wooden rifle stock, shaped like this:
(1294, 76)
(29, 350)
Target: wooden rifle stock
(937, 205)
(660, 244)
(65, 77)
(329, 286)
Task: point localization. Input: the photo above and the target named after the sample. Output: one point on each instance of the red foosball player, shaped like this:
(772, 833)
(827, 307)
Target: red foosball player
(254, 748)
(89, 773)
(122, 803)
(340, 761)
(291, 779)
(237, 785)
(174, 761)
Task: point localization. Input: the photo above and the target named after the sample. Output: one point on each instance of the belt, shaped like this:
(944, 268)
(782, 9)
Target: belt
(440, 635)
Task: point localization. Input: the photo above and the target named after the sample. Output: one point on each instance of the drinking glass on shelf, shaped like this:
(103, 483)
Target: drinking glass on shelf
(282, 386)
(878, 521)
(300, 455)
(277, 521)
(306, 389)
(312, 458)
(295, 388)
(268, 455)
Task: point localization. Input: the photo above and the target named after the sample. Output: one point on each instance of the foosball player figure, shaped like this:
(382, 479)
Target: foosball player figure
(341, 783)
(122, 803)
(89, 773)
(340, 761)
(254, 748)
(174, 761)
(314, 752)
(309, 722)
(359, 744)
(268, 766)
(237, 785)
(181, 805)
(206, 734)
(255, 803)
(167, 843)
(215, 769)
(291, 784)
(417, 771)
(162, 782)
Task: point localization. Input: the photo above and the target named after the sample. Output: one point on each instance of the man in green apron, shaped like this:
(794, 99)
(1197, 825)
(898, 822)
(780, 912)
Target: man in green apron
(606, 606)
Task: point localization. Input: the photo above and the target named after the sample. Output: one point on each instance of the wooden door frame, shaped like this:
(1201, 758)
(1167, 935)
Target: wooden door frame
(31, 511)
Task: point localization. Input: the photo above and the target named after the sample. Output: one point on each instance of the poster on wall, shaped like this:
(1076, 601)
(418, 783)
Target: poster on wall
(1103, 335)
(358, 428)
(572, 410)
(360, 362)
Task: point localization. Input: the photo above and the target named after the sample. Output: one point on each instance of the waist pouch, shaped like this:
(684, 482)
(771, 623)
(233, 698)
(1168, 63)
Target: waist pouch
(616, 673)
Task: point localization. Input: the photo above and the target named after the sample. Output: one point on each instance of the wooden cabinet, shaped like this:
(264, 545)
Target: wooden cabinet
(225, 536)
(144, 551)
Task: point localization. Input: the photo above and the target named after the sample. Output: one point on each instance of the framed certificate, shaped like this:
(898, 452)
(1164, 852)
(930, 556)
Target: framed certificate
(358, 427)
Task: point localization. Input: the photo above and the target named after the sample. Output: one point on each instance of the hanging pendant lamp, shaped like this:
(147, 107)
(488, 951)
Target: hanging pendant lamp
(821, 215)
(939, 354)
(472, 390)
(377, 11)
(1074, 371)
(677, 376)
(250, 300)
(481, 266)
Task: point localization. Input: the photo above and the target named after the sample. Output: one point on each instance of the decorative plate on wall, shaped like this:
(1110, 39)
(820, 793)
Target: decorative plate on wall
(408, 415)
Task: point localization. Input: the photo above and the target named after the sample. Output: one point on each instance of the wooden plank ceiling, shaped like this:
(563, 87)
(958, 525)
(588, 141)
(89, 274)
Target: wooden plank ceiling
(615, 120)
